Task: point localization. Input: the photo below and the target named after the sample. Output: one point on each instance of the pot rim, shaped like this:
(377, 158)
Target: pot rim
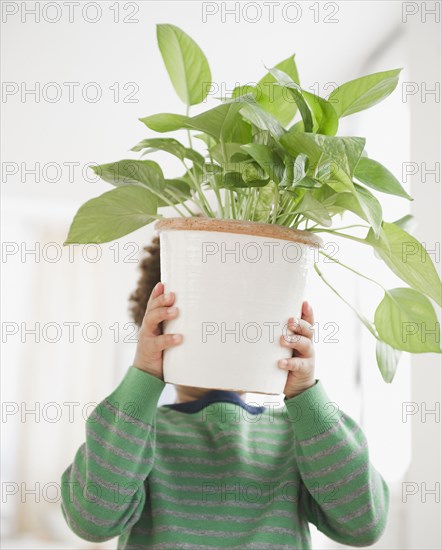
(241, 227)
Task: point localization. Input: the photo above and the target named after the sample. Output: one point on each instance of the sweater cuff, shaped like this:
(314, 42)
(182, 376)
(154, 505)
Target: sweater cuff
(138, 394)
(311, 412)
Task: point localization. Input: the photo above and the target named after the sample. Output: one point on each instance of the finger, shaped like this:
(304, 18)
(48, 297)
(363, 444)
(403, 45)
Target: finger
(165, 341)
(301, 344)
(156, 291)
(294, 364)
(307, 313)
(158, 315)
(300, 326)
(161, 301)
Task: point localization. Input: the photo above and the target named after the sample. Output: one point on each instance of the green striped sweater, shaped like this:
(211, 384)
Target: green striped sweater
(221, 473)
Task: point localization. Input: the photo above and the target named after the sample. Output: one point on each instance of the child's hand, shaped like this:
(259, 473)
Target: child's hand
(151, 341)
(301, 366)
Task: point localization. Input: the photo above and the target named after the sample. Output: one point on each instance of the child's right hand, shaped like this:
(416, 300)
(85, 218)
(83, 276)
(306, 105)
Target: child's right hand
(151, 341)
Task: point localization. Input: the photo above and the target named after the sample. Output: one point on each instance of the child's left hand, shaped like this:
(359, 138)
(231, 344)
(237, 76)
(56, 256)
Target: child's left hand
(301, 366)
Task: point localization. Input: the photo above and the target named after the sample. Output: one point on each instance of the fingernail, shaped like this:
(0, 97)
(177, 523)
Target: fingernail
(176, 337)
(296, 323)
(168, 296)
(283, 362)
(171, 310)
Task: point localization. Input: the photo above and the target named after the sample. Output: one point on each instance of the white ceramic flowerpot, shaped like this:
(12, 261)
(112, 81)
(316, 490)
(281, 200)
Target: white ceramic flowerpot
(236, 285)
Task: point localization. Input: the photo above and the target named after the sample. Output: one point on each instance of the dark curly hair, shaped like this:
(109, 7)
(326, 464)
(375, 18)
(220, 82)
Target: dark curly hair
(150, 276)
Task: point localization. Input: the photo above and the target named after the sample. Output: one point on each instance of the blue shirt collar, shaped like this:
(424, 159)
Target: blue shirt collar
(215, 396)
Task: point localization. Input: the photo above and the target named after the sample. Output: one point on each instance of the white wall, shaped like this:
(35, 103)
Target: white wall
(422, 492)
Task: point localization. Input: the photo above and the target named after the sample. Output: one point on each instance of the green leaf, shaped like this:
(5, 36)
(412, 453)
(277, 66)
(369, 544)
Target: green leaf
(261, 119)
(223, 153)
(297, 143)
(371, 207)
(387, 359)
(170, 145)
(267, 159)
(131, 172)
(363, 204)
(407, 223)
(289, 174)
(233, 179)
(264, 204)
(165, 122)
(307, 183)
(405, 319)
(251, 175)
(205, 138)
(376, 176)
(408, 259)
(342, 152)
(299, 168)
(239, 91)
(313, 210)
(325, 117)
(194, 156)
(186, 64)
(362, 93)
(210, 122)
(218, 122)
(113, 215)
(175, 191)
(323, 171)
(294, 89)
(242, 132)
(295, 175)
(273, 99)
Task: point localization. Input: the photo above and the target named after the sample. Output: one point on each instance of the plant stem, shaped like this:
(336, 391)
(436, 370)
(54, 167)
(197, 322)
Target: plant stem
(276, 198)
(346, 227)
(249, 203)
(361, 317)
(290, 218)
(218, 198)
(254, 195)
(232, 202)
(216, 189)
(286, 214)
(227, 202)
(189, 137)
(166, 200)
(344, 235)
(230, 198)
(240, 204)
(295, 220)
(204, 205)
(351, 269)
(182, 203)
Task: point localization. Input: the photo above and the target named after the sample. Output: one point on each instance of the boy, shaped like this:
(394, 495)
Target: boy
(211, 471)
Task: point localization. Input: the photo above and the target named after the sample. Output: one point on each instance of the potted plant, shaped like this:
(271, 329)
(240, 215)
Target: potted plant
(269, 175)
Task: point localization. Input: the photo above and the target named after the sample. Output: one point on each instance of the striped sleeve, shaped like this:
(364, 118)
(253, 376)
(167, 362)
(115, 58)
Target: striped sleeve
(341, 492)
(103, 491)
